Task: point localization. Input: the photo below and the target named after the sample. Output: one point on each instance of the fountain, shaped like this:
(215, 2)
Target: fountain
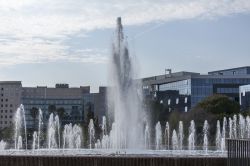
(72, 136)
(53, 132)
(191, 137)
(218, 136)
(205, 136)
(175, 145)
(180, 135)
(158, 136)
(125, 96)
(35, 139)
(146, 137)
(2, 145)
(126, 132)
(167, 130)
(91, 133)
(40, 123)
(20, 124)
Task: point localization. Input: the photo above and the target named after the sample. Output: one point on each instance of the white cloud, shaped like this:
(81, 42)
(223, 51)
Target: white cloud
(34, 31)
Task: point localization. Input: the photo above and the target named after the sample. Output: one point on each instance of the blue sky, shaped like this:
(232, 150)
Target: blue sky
(47, 42)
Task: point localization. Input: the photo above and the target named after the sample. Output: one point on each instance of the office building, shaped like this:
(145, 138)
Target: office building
(10, 99)
(195, 86)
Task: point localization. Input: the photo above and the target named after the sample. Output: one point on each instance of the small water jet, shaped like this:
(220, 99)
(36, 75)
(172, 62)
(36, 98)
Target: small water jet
(205, 136)
(91, 133)
(218, 136)
(20, 125)
(158, 136)
(35, 139)
(192, 135)
(146, 137)
(2, 145)
(180, 135)
(53, 133)
(175, 145)
(167, 135)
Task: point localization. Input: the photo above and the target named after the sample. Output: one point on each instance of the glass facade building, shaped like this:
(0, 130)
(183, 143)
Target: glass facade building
(197, 87)
(245, 97)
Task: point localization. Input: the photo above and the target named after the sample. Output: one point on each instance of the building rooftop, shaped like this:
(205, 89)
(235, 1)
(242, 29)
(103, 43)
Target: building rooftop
(247, 68)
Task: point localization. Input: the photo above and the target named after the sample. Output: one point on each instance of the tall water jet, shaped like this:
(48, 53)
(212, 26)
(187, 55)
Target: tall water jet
(180, 135)
(218, 136)
(146, 137)
(158, 136)
(91, 133)
(167, 135)
(205, 135)
(125, 96)
(20, 124)
(192, 136)
(175, 145)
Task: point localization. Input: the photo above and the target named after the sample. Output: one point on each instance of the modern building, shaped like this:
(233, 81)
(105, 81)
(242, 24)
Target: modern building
(195, 86)
(62, 100)
(10, 99)
(244, 94)
(70, 103)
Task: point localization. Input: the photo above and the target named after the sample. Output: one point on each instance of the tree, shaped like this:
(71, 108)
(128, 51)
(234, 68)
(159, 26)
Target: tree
(51, 109)
(60, 112)
(220, 105)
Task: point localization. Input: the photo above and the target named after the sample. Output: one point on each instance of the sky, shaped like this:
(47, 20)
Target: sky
(47, 42)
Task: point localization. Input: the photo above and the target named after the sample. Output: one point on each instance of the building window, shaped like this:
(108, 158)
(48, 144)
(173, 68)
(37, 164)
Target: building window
(177, 100)
(10, 116)
(6, 111)
(1, 100)
(5, 116)
(186, 99)
(5, 122)
(6, 105)
(11, 105)
(186, 109)
(6, 99)
(1, 88)
(10, 111)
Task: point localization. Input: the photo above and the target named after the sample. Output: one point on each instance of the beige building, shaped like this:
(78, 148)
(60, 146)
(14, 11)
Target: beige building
(10, 100)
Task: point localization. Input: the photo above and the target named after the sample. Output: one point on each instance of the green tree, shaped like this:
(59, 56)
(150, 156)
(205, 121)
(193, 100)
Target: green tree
(51, 109)
(219, 105)
(60, 112)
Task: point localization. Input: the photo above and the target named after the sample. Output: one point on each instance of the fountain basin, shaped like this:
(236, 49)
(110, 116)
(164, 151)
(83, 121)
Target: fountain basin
(109, 158)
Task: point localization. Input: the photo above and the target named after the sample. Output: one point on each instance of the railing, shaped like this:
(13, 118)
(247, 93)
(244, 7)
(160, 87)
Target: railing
(238, 152)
